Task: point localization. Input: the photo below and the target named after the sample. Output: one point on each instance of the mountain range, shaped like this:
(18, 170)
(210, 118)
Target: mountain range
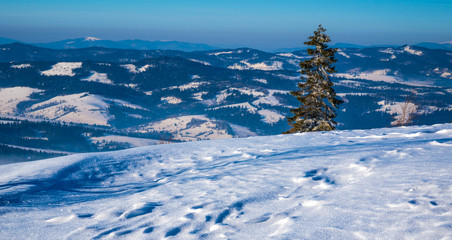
(137, 44)
(107, 99)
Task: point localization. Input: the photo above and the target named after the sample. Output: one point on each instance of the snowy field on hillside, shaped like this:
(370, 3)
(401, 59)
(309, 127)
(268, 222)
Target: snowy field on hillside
(392, 183)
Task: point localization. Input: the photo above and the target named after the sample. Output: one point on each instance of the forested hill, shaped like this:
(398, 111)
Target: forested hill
(116, 98)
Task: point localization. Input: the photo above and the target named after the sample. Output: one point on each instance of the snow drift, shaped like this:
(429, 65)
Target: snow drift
(392, 183)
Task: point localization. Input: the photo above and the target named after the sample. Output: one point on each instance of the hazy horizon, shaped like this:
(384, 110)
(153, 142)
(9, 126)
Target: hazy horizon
(255, 24)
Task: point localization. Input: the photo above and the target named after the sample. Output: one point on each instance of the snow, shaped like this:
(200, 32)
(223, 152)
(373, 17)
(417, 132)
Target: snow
(219, 98)
(360, 55)
(388, 51)
(340, 52)
(377, 75)
(241, 131)
(220, 53)
(10, 97)
(91, 39)
(36, 149)
(249, 91)
(326, 185)
(123, 103)
(409, 50)
(188, 128)
(270, 116)
(198, 95)
(62, 69)
(398, 109)
(133, 69)
(25, 65)
(244, 105)
(290, 55)
(350, 83)
(77, 108)
(446, 75)
(190, 85)
(266, 66)
(393, 107)
(261, 80)
(344, 95)
(199, 61)
(171, 100)
(270, 99)
(98, 77)
(132, 141)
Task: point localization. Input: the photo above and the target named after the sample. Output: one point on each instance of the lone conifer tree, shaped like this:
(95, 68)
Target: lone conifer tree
(317, 97)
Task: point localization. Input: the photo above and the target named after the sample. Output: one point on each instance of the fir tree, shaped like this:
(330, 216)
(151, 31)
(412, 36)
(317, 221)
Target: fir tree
(317, 97)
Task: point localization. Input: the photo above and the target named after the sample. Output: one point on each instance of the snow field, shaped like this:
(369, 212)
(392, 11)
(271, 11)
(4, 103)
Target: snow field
(11, 97)
(188, 128)
(266, 66)
(77, 108)
(98, 77)
(133, 69)
(392, 183)
(62, 69)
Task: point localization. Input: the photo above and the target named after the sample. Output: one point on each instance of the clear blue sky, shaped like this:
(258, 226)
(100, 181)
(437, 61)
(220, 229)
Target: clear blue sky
(261, 24)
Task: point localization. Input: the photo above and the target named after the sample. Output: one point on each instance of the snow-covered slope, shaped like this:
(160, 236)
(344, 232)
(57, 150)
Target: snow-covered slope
(77, 108)
(11, 97)
(62, 69)
(392, 183)
(188, 128)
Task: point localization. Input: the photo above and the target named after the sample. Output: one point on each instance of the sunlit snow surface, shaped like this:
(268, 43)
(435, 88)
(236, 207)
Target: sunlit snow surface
(393, 183)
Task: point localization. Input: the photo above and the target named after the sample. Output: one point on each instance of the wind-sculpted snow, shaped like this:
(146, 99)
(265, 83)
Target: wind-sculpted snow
(392, 183)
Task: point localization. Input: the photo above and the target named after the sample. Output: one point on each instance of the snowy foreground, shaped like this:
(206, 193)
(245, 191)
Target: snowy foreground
(393, 183)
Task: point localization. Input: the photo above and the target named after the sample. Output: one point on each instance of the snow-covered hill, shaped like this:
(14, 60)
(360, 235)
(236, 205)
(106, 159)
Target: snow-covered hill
(392, 183)
(215, 94)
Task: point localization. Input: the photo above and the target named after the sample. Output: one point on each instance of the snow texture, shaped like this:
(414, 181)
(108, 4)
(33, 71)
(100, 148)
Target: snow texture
(199, 61)
(133, 69)
(270, 116)
(77, 108)
(261, 80)
(392, 183)
(132, 141)
(377, 75)
(62, 69)
(190, 85)
(25, 65)
(188, 128)
(91, 39)
(409, 50)
(340, 52)
(98, 77)
(220, 53)
(270, 99)
(10, 97)
(245, 105)
(266, 66)
(171, 100)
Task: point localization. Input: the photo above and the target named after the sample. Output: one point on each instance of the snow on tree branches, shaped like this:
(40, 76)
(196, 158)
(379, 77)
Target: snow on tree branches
(317, 97)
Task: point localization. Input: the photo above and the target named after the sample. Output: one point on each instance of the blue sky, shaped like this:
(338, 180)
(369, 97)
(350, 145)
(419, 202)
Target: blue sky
(261, 24)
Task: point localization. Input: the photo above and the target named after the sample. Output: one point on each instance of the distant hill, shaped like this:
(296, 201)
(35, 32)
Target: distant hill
(431, 45)
(126, 44)
(59, 101)
(335, 45)
(136, 44)
(7, 40)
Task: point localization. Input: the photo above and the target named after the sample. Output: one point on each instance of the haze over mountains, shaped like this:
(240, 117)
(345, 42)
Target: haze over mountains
(85, 42)
(108, 99)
